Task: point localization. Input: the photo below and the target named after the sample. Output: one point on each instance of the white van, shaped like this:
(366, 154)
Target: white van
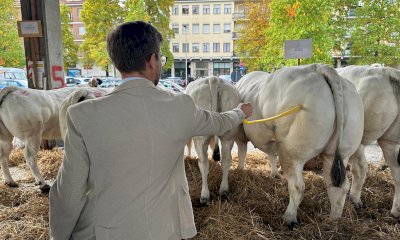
(13, 77)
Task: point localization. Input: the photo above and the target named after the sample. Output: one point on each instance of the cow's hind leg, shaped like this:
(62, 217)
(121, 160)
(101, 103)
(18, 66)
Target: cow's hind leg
(201, 146)
(5, 150)
(336, 195)
(226, 148)
(391, 153)
(294, 176)
(359, 167)
(32, 146)
(242, 151)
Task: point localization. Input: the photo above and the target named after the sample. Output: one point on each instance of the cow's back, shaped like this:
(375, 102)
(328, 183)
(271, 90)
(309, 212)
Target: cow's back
(380, 97)
(27, 112)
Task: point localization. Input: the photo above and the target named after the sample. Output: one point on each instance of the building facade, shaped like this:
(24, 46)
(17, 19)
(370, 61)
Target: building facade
(205, 33)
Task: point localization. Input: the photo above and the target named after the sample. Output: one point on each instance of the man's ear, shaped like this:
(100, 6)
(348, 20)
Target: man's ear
(153, 61)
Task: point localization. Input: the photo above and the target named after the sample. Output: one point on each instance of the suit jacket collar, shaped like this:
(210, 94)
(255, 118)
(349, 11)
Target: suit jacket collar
(133, 84)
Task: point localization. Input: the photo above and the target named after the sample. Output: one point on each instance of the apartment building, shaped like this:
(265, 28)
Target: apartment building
(205, 33)
(76, 25)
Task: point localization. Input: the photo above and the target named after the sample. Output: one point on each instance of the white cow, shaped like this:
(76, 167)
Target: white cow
(79, 95)
(219, 96)
(30, 115)
(329, 125)
(379, 88)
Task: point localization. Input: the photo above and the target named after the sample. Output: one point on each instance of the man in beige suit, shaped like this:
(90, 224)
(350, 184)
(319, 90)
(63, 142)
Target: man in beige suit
(123, 174)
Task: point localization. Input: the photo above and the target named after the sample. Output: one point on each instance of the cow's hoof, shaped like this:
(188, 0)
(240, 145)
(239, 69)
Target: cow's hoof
(204, 201)
(11, 184)
(395, 215)
(292, 225)
(224, 193)
(44, 188)
(38, 183)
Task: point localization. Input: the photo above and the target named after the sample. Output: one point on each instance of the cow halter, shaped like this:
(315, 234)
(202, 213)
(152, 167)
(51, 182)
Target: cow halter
(292, 110)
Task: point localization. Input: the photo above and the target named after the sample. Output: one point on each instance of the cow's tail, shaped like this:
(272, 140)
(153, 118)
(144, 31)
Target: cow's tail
(216, 153)
(214, 87)
(214, 91)
(338, 171)
(5, 91)
(394, 76)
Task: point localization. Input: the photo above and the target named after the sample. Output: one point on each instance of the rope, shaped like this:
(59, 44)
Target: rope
(292, 110)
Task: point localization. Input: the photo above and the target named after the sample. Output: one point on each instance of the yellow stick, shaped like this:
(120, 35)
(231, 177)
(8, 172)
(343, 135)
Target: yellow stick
(292, 110)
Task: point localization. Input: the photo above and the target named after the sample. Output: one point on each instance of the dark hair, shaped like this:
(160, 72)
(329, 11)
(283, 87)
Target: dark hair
(131, 44)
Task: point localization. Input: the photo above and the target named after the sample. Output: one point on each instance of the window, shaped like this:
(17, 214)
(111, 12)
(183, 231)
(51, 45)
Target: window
(227, 47)
(221, 68)
(217, 28)
(206, 9)
(175, 10)
(227, 8)
(70, 16)
(185, 9)
(79, 12)
(175, 47)
(175, 28)
(206, 28)
(185, 28)
(217, 9)
(195, 9)
(81, 30)
(206, 47)
(185, 47)
(216, 47)
(195, 47)
(227, 27)
(195, 28)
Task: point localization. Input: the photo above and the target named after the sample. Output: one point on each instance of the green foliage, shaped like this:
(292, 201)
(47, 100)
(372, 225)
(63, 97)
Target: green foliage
(11, 51)
(294, 20)
(157, 13)
(99, 17)
(376, 35)
(252, 37)
(69, 47)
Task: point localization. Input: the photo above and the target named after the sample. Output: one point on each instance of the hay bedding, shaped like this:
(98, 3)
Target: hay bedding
(253, 210)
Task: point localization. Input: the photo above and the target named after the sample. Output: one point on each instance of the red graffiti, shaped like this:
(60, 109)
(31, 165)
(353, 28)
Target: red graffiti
(60, 79)
(23, 92)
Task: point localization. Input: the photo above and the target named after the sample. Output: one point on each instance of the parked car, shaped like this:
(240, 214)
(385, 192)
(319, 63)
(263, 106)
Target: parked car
(227, 78)
(172, 86)
(70, 81)
(108, 83)
(16, 83)
(82, 81)
(13, 74)
(176, 80)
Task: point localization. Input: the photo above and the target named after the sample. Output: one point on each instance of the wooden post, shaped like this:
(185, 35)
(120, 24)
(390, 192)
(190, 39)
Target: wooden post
(298, 62)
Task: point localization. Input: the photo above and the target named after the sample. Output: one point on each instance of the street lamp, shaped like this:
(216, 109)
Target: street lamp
(186, 57)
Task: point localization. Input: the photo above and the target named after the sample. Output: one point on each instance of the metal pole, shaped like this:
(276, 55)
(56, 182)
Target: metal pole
(186, 44)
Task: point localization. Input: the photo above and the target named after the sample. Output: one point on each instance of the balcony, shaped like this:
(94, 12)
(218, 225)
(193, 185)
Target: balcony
(236, 35)
(239, 16)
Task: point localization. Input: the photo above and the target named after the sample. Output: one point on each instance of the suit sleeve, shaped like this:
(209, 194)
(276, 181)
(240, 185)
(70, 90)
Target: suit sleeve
(68, 193)
(207, 123)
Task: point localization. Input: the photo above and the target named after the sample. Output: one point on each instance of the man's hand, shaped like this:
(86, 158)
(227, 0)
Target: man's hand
(246, 108)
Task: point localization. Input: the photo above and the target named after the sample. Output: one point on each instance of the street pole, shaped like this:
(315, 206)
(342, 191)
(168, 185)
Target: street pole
(186, 57)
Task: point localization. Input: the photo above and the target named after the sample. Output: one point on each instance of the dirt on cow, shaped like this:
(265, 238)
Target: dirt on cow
(253, 210)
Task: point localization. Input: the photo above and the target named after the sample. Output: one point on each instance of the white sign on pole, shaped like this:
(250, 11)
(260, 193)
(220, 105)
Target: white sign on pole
(296, 49)
(30, 28)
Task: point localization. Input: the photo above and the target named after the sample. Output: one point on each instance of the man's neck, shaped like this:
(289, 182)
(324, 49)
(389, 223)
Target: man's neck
(136, 74)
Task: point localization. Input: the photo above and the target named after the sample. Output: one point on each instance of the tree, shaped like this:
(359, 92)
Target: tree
(376, 36)
(157, 13)
(11, 51)
(293, 20)
(252, 36)
(70, 49)
(99, 17)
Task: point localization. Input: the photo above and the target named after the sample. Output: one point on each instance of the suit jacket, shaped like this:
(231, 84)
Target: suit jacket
(123, 174)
